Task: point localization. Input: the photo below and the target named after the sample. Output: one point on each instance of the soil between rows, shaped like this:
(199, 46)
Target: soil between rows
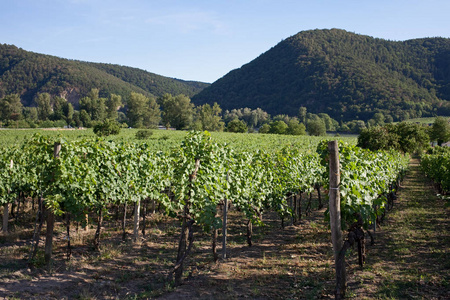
(410, 259)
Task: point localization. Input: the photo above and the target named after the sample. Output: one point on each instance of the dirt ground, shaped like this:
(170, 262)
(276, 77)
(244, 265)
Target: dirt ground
(410, 259)
(411, 255)
(294, 262)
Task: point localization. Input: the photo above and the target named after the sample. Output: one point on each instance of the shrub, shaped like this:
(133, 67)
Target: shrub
(107, 128)
(143, 134)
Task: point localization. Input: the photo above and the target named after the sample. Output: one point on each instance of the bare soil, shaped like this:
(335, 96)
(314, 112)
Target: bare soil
(294, 262)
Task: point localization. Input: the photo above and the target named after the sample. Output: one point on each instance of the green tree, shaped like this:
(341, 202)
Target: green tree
(136, 107)
(143, 111)
(412, 137)
(11, 108)
(108, 127)
(253, 118)
(68, 112)
(440, 131)
(44, 106)
(209, 118)
(58, 109)
(94, 106)
(85, 118)
(284, 118)
(265, 128)
(295, 127)
(30, 114)
(178, 111)
(278, 127)
(302, 114)
(152, 116)
(379, 118)
(237, 125)
(330, 124)
(113, 103)
(405, 137)
(378, 138)
(316, 127)
(259, 117)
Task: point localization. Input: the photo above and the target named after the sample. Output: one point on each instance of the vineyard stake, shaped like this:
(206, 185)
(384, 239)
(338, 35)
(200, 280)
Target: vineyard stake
(224, 230)
(5, 218)
(335, 215)
(6, 209)
(136, 220)
(50, 219)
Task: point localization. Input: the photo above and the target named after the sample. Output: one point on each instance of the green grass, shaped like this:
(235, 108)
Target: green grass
(410, 257)
(163, 140)
(429, 120)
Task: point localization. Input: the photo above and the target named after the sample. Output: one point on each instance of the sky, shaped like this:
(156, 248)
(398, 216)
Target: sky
(202, 40)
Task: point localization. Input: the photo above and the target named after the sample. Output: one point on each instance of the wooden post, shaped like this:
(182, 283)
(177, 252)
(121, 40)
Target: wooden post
(335, 216)
(214, 244)
(6, 208)
(124, 222)
(249, 232)
(224, 229)
(5, 218)
(50, 219)
(86, 226)
(136, 220)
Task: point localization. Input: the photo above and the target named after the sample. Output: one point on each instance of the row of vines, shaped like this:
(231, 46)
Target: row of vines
(436, 165)
(72, 179)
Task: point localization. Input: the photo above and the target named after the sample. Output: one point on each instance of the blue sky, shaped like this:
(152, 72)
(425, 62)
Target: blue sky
(199, 39)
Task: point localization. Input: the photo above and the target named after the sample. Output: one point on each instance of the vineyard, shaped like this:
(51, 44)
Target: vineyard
(436, 165)
(83, 193)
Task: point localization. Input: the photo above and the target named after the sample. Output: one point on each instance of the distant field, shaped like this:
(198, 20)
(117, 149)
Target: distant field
(423, 120)
(164, 140)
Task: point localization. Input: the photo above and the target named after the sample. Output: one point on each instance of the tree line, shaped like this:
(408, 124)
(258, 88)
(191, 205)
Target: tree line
(177, 112)
(405, 137)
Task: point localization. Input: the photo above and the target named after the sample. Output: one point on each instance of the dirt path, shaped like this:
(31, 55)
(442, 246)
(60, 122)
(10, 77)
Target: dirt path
(411, 255)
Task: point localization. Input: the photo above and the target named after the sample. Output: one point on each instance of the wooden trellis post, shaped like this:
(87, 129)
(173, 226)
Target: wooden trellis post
(335, 216)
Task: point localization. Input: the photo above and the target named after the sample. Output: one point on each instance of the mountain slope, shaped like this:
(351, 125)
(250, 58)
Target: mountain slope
(346, 75)
(27, 73)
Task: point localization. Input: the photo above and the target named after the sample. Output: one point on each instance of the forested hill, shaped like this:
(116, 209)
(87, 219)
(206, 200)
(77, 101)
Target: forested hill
(346, 75)
(27, 73)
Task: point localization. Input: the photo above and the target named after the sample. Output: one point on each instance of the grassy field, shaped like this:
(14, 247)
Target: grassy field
(423, 120)
(165, 139)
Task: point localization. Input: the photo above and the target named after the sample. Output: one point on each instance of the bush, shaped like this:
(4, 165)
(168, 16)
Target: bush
(109, 127)
(405, 137)
(278, 127)
(265, 128)
(143, 134)
(50, 124)
(237, 126)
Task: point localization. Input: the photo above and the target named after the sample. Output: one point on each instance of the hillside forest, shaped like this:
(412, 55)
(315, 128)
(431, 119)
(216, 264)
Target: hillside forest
(346, 75)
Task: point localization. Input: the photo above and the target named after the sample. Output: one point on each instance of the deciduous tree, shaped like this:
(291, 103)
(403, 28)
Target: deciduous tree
(440, 131)
(178, 111)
